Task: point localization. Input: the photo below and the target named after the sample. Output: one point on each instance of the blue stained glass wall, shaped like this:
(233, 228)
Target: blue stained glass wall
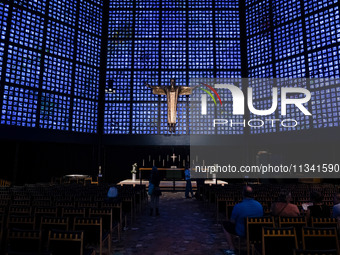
(153, 41)
(50, 65)
(293, 39)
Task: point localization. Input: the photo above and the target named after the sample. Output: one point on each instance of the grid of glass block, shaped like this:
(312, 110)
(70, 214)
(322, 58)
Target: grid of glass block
(117, 118)
(226, 4)
(118, 86)
(23, 67)
(286, 10)
(201, 54)
(322, 28)
(54, 111)
(19, 107)
(200, 24)
(34, 5)
(86, 82)
(292, 67)
(119, 54)
(200, 4)
(85, 114)
(147, 4)
(88, 49)
(90, 17)
(288, 40)
(201, 124)
(27, 29)
(258, 19)
(224, 93)
(173, 55)
(181, 120)
(261, 72)
(314, 5)
(57, 75)
(60, 39)
(144, 118)
(147, 24)
(173, 24)
(324, 63)
(2, 49)
(228, 54)
(262, 88)
(231, 74)
(146, 54)
(3, 20)
(120, 25)
(325, 107)
(140, 91)
(259, 50)
(262, 124)
(250, 2)
(121, 4)
(173, 4)
(294, 113)
(227, 24)
(234, 125)
(65, 11)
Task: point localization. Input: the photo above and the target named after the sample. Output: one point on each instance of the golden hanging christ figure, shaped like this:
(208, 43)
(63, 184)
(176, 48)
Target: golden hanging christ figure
(172, 92)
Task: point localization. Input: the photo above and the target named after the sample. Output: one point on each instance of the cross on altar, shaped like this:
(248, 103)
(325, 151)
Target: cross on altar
(173, 157)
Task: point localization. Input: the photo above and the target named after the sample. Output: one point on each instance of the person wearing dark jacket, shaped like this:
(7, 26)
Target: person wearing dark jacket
(154, 190)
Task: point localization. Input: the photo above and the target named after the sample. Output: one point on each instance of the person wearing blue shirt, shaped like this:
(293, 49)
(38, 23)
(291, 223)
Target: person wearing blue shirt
(188, 187)
(336, 207)
(249, 207)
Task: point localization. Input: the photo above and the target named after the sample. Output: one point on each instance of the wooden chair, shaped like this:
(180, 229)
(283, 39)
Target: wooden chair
(24, 241)
(309, 252)
(254, 231)
(108, 224)
(324, 222)
(21, 222)
(297, 222)
(20, 210)
(279, 241)
(320, 239)
(65, 242)
(93, 232)
(71, 213)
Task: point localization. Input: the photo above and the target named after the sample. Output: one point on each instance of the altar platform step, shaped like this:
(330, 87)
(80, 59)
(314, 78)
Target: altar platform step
(171, 185)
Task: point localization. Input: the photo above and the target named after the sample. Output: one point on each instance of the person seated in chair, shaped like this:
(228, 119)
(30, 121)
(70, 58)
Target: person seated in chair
(318, 209)
(336, 207)
(249, 207)
(283, 207)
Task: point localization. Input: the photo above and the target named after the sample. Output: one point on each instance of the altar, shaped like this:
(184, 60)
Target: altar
(172, 174)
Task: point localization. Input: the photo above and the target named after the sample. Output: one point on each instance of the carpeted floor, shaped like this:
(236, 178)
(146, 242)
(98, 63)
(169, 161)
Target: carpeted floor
(184, 227)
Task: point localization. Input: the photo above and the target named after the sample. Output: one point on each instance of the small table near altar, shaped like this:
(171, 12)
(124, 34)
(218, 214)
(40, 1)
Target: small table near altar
(161, 169)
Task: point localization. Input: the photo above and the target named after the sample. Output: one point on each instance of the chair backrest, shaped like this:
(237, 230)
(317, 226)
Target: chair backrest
(65, 242)
(254, 228)
(279, 241)
(106, 215)
(311, 252)
(21, 222)
(22, 210)
(92, 228)
(324, 222)
(319, 238)
(20, 240)
(297, 222)
(48, 223)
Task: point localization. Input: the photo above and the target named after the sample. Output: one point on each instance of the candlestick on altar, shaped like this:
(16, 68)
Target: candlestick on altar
(149, 158)
(203, 162)
(183, 162)
(163, 163)
(143, 163)
(193, 162)
(167, 157)
(159, 158)
(153, 162)
(179, 158)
